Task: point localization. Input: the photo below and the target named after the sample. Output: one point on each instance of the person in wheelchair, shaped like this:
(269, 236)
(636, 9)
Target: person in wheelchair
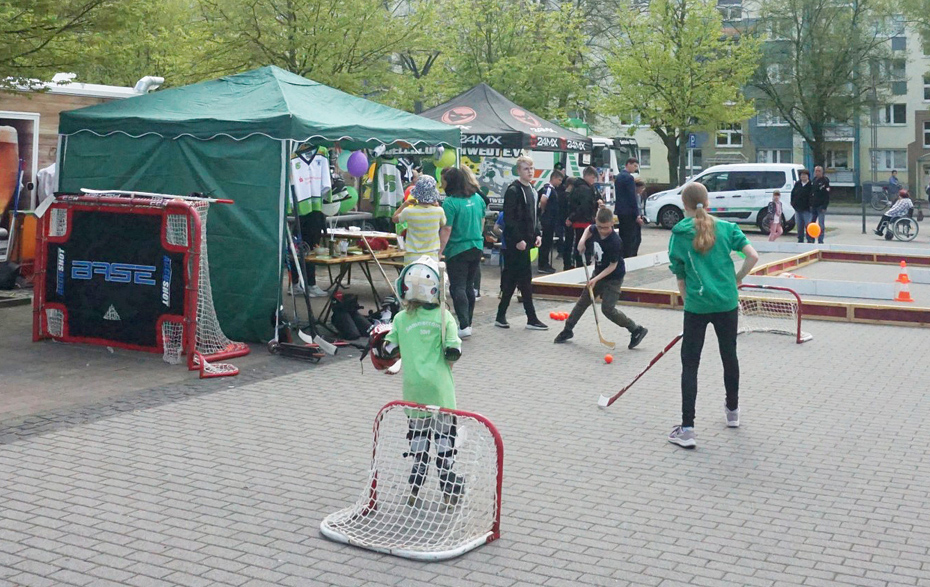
(903, 206)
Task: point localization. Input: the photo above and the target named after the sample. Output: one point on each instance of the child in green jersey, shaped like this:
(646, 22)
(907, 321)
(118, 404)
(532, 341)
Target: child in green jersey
(427, 336)
(699, 256)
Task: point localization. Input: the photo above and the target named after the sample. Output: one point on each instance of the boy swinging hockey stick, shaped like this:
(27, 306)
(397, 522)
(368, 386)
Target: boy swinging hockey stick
(609, 271)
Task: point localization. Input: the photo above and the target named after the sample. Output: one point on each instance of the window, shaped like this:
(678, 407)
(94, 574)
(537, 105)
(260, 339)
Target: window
(715, 182)
(898, 43)
(770, 118)
(645, 157)
(891, 114)
(926, 88)
(756, 180)
(773, 156)
(889, 69)
(730, 9)
(837, 159)
(776, 73)
(696, 163)
(780, 29)
(730, 135)
(888, 159)
(927, 135)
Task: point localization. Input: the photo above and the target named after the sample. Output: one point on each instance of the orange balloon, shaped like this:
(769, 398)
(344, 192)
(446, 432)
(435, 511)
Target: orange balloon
(813, 230)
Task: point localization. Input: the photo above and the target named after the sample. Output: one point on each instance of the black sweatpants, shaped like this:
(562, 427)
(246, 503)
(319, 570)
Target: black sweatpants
(630, 233)
(545, 247)
(516, 273)
(692, 343)
(574, 259)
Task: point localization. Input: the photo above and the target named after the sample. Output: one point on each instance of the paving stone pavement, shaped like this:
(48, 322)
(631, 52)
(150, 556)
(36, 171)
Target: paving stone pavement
(825, 483)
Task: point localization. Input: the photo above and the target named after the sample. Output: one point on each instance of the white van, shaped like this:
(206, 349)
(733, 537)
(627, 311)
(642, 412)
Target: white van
(739, 193)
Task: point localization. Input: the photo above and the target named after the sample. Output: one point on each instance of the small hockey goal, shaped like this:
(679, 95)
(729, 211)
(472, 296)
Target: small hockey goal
(771, 308)
(131, 271)
(434, 488)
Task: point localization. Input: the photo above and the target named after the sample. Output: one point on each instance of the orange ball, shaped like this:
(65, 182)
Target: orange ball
(608, 359)
(552, 316)
(813, 230)
(564, 315)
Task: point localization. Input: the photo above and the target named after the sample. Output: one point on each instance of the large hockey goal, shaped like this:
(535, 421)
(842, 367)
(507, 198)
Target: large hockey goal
(434, 487)
(773, 309)
(131, 271)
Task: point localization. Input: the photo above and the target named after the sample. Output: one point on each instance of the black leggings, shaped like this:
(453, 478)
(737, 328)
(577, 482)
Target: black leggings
(692, 343)
(463, 270)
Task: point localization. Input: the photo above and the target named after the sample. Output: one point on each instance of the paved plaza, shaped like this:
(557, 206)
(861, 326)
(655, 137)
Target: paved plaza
(225, 482)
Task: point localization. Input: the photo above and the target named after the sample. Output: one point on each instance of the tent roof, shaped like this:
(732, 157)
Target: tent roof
(490, 120)
(266, 101)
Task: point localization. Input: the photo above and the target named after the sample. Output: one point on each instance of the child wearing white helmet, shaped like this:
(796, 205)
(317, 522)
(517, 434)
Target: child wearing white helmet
(427, 336)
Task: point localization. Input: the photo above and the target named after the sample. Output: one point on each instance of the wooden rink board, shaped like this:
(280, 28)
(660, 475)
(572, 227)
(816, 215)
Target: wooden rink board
(649, 283)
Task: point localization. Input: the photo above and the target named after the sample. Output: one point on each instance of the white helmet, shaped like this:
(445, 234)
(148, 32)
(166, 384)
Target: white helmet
(420, 281)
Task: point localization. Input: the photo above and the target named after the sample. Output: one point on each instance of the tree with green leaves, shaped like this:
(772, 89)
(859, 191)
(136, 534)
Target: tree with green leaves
(528, 52)
(819, 58)
(675, 68)
(347, 44)
(42, 37)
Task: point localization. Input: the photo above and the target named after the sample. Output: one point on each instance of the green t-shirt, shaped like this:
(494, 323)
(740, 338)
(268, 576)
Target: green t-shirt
(466, 217)
(427, 374)
(710, 278)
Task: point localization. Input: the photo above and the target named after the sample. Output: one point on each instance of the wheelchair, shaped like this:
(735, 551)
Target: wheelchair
(904, 228)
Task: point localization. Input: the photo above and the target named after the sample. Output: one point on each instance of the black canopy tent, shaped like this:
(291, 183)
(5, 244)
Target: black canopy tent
(489, 121)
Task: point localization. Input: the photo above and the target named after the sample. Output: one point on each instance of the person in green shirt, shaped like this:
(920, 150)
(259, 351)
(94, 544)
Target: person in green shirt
(462, 242)
(427, 354)
(699, 256)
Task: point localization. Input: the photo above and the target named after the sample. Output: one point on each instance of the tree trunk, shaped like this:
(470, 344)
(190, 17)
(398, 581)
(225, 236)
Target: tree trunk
(673, 158)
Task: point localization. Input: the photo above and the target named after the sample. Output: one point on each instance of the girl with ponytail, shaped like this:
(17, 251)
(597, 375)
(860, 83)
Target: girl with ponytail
(699, 255)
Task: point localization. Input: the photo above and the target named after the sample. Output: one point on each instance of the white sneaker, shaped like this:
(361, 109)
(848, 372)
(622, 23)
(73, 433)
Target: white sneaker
(296, 290)
(465, 332)
(732, 417)
(316, 292)
(683, 437)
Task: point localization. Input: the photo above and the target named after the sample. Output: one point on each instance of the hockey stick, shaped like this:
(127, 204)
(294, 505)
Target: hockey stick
(155, 195)
(605, 401)
(380, 268)
(314, 338)
(597, 322)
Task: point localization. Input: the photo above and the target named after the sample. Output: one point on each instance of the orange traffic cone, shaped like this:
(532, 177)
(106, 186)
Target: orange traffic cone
(902, 276)
(904, 294)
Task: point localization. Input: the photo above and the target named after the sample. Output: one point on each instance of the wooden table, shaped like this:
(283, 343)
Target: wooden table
(345, 267)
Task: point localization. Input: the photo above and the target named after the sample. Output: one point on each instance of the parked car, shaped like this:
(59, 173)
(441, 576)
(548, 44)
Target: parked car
(739, 193)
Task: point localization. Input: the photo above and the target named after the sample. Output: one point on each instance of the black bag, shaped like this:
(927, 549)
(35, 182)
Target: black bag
(346, 318)
(8, 274)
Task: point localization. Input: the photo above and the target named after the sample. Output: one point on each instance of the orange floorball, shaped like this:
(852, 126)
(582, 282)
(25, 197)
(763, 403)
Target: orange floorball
(552, 316)
(608, 359)
(564, 315)
(813, 230)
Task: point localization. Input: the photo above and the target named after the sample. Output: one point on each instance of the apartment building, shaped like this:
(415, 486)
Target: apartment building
(894, 136)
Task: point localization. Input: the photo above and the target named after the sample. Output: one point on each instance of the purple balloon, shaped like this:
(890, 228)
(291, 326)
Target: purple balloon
(358, 164)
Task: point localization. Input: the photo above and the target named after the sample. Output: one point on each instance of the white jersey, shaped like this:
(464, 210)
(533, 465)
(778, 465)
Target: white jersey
(390, 186)
(310, 181)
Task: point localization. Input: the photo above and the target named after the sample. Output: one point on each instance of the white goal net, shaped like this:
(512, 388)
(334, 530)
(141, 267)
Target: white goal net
(434, 487)
(772, 309)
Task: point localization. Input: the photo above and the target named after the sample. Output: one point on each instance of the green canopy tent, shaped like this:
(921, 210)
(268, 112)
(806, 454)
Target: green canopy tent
(231, 138)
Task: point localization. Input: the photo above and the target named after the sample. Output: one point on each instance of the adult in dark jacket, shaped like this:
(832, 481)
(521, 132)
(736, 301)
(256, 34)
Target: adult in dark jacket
(629, 217)
(583, 204)
(801, 202)
(521, 233)
(549, 215)
(820, 199)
